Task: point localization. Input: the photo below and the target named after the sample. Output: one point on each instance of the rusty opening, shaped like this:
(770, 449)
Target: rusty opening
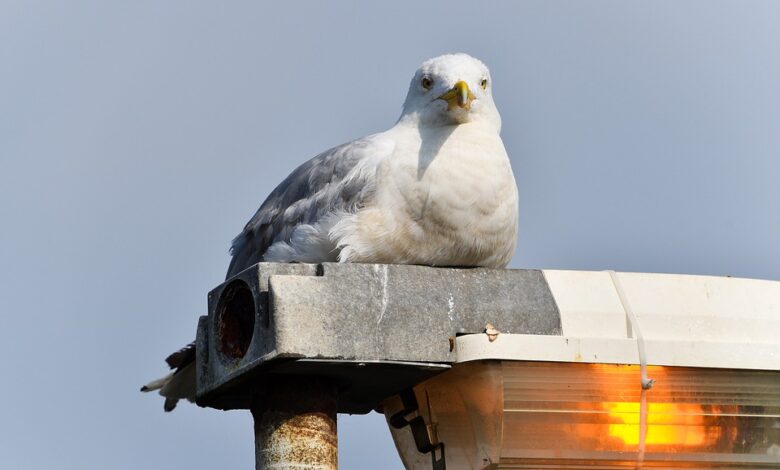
(236, 319)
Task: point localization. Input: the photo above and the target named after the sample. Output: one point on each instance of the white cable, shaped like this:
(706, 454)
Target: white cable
(646, 382)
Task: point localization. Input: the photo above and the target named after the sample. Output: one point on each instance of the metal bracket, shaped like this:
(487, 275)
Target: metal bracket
(422, 438)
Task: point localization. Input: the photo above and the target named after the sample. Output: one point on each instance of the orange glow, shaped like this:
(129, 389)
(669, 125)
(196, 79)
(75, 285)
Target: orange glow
(667, 423)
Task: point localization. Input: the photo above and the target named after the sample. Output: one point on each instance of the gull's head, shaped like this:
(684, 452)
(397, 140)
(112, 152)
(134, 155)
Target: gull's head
(451, 89)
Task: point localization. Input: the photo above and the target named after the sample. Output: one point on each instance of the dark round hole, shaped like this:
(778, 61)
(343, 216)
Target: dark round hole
(236, 319)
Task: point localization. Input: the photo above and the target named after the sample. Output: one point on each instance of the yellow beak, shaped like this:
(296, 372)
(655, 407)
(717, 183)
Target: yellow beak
(459, 96)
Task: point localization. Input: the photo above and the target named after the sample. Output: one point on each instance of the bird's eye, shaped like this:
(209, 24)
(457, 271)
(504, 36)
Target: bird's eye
(426, 83)
(483, 83)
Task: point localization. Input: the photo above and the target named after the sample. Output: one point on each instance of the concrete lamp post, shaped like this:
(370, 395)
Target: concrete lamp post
(488, 369)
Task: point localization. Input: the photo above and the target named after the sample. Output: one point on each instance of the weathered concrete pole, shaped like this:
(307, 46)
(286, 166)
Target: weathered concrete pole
(295, 424)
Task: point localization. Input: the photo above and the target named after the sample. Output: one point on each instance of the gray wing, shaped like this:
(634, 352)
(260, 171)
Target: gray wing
(339, 179)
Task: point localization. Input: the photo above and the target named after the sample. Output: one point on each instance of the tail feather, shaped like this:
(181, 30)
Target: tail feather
(170, 404)
(179, 384)
(157, 384)
(182, 357)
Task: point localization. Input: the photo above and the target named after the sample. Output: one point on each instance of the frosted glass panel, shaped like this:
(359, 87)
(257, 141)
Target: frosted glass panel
(514, 414)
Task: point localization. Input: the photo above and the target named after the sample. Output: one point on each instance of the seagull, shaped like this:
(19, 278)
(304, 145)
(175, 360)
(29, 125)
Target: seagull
(436, 189)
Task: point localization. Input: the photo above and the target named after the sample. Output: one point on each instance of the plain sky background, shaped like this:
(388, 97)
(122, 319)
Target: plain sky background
(137, 138)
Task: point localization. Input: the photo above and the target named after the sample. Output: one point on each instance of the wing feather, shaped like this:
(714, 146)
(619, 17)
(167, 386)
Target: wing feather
(338, 180)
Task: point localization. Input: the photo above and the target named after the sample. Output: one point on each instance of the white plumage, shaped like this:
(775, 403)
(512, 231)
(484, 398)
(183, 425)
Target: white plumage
(435, 189)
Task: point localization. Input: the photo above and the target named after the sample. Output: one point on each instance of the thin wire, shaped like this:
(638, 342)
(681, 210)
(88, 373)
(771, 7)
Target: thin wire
(646, 382)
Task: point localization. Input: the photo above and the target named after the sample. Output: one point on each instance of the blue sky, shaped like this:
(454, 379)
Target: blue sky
(136, 139)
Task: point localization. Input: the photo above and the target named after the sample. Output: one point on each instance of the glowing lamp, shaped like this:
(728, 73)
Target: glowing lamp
(576, 401)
